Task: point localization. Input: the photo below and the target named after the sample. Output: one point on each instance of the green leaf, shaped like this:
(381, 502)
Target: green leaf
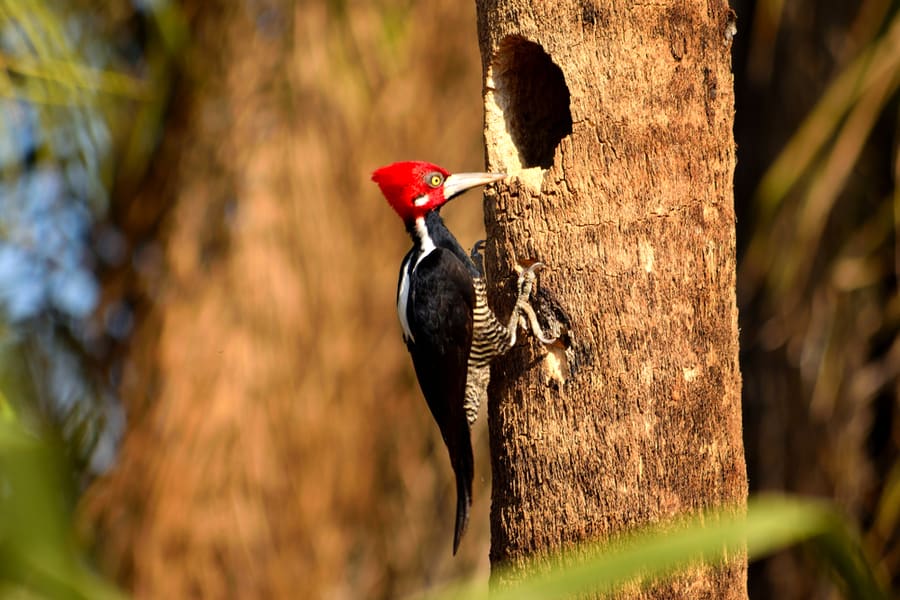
(37, 551)
(7, 413)
(770, 524)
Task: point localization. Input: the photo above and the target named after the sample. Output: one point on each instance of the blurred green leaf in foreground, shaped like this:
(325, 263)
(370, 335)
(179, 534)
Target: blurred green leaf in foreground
(770, 524)
(38, 556)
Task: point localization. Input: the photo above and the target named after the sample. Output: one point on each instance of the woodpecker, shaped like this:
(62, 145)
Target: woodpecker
(450, 331)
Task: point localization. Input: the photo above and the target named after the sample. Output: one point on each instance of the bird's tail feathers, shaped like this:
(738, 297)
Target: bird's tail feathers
(463, 504)
(464, 469)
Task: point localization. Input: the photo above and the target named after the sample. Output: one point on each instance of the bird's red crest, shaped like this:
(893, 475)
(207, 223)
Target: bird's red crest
(412, 188)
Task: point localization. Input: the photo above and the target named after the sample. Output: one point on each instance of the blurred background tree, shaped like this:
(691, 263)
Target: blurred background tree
(188, 237)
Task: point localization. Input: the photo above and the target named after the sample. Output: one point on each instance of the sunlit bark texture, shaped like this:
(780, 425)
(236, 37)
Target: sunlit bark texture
(615, 122)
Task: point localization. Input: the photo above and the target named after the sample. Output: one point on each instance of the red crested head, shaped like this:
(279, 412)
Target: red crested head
(414, 188)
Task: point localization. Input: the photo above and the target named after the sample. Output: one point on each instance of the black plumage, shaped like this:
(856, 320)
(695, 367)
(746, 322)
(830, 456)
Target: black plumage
(439, 313)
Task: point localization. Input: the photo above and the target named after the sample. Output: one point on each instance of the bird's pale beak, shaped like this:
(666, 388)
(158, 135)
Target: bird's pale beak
(457, 183)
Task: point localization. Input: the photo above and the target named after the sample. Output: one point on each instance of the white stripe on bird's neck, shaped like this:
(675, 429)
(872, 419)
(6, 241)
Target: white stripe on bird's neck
(426, 244)
(426, 247)
(403, 300)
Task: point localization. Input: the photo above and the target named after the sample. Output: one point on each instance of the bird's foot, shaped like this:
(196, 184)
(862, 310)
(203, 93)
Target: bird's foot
(523, 312)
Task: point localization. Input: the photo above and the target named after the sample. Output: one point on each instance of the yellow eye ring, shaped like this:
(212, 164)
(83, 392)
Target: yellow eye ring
(435, 179)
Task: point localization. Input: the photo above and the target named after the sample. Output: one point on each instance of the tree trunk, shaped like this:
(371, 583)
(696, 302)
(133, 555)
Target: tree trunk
(616, 125)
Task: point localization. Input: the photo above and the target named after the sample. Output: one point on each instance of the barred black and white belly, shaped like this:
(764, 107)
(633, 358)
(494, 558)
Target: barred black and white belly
(490, 338)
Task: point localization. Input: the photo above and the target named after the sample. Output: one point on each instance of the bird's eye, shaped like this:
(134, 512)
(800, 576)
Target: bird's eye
(434, 179)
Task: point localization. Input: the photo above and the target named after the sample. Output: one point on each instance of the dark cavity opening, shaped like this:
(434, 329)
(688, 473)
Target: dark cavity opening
(531, 90)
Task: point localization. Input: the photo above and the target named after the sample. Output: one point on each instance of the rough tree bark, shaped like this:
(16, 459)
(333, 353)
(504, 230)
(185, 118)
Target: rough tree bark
(616, 122)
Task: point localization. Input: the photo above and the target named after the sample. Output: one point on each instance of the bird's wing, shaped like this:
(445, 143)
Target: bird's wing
(440, 313)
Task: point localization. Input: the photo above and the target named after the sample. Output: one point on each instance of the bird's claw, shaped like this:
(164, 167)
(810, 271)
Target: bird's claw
(533, 268)
(523, 308)
(527, 278)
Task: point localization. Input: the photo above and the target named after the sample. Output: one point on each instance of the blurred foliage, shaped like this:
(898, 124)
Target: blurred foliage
(81, 94)
(770, 524)
(82, 88)
(38, 555)
(819, 234)
(822, 155)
